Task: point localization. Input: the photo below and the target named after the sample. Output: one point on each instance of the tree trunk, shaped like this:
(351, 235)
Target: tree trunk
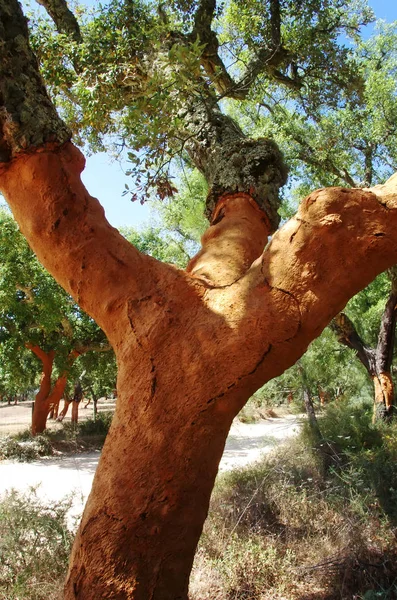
(42, 406)
(383, 396)
(153, 489)
(47, 399)
(64, 411)
(75, 412)
(191, 348)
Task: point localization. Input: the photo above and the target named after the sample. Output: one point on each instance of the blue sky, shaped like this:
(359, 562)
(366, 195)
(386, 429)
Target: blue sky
(105, 178)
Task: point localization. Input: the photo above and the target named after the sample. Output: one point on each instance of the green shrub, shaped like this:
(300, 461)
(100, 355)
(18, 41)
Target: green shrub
(25, 447)
(98, 427)
(283, 529)
(34, 547)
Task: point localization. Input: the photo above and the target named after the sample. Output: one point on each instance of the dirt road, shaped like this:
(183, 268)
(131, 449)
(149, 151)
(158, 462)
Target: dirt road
(55, 478)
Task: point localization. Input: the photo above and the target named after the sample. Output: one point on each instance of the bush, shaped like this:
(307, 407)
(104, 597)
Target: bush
(25, 447)
(34, 547)
(283, 529)
(98, 427)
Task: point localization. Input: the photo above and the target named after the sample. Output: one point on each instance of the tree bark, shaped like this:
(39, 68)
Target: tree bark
(191, 346)
(383, 396)
(41, 403)
(191, 349)
(48, 396)
(377, 361)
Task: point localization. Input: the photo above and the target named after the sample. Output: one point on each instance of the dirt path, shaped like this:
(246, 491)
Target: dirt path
(55, 478)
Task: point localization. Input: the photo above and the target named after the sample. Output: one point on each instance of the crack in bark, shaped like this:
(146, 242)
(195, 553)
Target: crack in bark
(117, 259)
(235, 383)
(291, 295)
(153, 385)
(105, 513)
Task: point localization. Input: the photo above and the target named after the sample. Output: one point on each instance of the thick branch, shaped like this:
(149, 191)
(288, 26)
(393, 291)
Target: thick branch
(64, 19)
(27, 117)
(347, 335)
(47, 360)
(68, 231)
(337, 243)
(233, 163)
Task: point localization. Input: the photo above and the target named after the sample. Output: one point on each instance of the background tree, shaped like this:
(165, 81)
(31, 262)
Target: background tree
(38, 316)
(378, 359)
(191, 345)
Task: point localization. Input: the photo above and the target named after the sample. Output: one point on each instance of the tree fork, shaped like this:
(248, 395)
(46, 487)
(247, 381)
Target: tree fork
(190, 352)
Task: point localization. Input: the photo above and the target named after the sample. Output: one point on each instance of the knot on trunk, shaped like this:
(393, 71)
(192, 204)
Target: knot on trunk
(255, 167)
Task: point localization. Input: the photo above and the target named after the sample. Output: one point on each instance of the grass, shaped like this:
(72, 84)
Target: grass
(284, 530)
(34, 547)
(88, 434)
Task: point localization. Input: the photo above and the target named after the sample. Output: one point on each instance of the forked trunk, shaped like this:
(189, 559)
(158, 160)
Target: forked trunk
(42, 406)
(191, 346)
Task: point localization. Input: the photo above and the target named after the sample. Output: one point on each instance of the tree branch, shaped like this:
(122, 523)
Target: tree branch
(64, 19)
(27, 116)
(309, 269)
(347, 335)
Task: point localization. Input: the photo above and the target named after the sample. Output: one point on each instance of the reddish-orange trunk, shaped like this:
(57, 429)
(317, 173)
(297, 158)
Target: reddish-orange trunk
(41, 404)
(383, 396)
(47, 399)
(191, 348)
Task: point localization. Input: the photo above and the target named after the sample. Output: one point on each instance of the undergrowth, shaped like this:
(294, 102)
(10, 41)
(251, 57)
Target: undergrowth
(70, 437)
(285, 529)
(34, 547)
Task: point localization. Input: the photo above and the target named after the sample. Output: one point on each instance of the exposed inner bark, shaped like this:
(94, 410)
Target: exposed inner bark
(191, 346)
(189, 352)
(377, 361)
(48, 397)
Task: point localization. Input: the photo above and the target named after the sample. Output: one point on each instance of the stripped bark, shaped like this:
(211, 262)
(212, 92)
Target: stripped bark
(377, 361)
(48, 397)
(192, 346)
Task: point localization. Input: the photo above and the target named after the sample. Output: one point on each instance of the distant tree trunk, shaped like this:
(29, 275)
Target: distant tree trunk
(95, 402)
(322, 448)
(48, 396)
(377, 361)
(77, 397)
(323, 396)
(64, 411)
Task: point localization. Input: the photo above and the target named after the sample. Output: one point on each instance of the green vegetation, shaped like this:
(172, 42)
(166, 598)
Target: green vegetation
(34, 547)
(282, 529)
(70, 438)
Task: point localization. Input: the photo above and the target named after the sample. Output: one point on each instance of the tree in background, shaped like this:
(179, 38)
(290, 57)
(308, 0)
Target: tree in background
(191, 345)
(377, 359)
(38, 316)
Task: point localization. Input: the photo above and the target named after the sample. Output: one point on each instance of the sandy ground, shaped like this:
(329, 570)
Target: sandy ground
(55, 478)
(15, 418)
